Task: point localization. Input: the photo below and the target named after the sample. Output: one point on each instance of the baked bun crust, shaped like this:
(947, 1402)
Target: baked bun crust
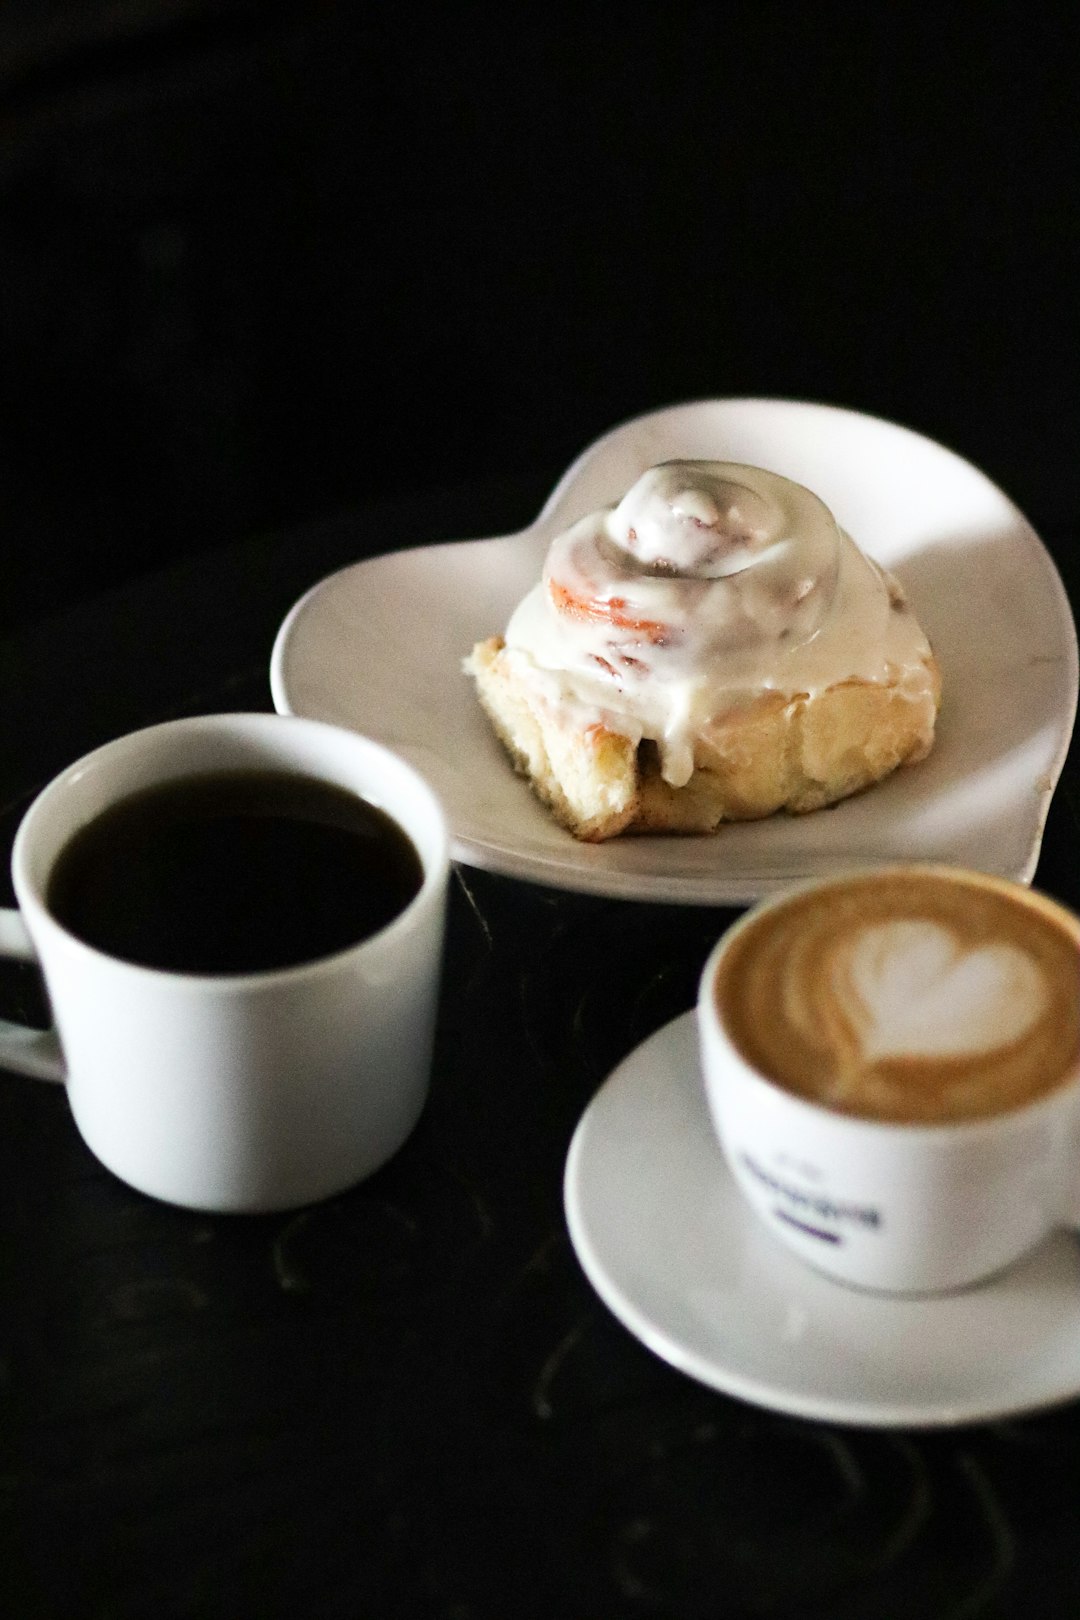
(795, 753)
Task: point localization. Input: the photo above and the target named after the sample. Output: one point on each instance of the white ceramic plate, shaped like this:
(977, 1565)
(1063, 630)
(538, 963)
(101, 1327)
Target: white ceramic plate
(671, 1247)
(378, 647)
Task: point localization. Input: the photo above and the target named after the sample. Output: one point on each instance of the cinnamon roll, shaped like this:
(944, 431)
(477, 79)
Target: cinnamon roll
(712, 648)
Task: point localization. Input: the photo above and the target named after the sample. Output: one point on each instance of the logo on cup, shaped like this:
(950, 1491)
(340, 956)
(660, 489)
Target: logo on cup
(796, 1203)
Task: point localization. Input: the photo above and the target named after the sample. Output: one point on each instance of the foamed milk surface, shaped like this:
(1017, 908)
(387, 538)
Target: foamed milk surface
(911, 988)
(919, 999)
(708, 584)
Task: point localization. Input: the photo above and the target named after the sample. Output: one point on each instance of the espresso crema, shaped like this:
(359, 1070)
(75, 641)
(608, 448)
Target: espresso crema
(709, 584)
(912, 995)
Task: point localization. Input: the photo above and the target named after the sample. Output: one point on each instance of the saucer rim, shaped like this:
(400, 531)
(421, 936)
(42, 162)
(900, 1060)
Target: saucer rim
(665, 1342)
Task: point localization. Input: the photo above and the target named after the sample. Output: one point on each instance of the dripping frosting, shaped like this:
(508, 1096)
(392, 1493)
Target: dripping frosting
(707, 585)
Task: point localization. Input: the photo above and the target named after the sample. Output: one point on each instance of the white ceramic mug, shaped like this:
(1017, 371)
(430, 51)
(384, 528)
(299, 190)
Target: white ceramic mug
(246, 1092)
(896, 1207)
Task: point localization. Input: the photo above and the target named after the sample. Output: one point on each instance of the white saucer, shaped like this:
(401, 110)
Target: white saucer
(673, 1250)
(378, 648)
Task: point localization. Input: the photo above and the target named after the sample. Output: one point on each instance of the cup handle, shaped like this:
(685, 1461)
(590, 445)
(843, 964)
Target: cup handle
(28, 1051)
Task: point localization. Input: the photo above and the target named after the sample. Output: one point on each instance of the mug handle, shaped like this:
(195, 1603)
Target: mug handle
(28, 1051)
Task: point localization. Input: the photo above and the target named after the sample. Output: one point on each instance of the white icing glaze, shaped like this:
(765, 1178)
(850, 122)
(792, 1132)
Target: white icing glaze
(708, 584)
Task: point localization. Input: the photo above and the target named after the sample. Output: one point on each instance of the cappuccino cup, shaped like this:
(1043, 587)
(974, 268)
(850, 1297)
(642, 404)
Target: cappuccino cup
(891, 1061)
(239, 921)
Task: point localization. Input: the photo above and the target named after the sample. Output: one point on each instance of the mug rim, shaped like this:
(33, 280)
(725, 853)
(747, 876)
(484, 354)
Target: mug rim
(708, 1014)
(31, 897)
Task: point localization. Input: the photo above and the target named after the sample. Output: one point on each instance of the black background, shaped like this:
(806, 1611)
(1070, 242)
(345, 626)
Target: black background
(259, 263)
(265, 264)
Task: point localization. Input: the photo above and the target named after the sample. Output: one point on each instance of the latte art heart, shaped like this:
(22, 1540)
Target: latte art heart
(914, 990)
(914, 995)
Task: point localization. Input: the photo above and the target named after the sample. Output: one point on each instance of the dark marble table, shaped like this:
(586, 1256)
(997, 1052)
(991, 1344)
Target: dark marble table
(408, 1401)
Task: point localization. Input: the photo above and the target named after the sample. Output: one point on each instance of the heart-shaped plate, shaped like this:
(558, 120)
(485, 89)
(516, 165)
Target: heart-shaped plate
(378, 648)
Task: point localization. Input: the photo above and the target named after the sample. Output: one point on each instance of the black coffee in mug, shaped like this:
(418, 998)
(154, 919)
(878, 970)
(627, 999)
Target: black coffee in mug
(234, 872)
